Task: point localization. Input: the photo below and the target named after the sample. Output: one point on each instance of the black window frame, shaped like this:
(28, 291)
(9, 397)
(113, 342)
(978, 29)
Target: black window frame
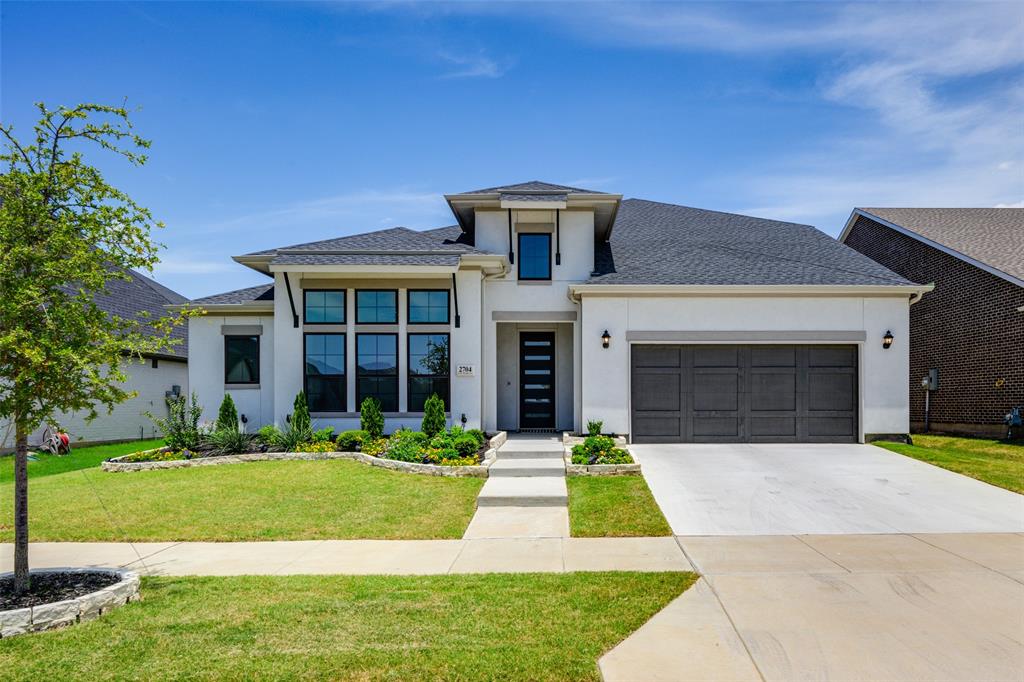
(409, 376)
(343, 375)
(408, 306)
(252, 382)
(519, 256)
(344, 305)
(398, 371)
(393, 291)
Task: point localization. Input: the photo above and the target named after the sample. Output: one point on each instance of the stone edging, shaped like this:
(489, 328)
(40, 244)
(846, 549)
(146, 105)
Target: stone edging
(598, 469)
(70, 611)
(474, 471)
(569, 440)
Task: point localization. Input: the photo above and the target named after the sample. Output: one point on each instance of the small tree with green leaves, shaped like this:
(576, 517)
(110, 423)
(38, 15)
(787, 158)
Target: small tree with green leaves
(227, 417)
(371, 419)
(433, 416)
(65, 235)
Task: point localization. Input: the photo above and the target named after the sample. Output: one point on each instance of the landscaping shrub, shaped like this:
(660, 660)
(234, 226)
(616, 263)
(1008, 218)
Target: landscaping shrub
(289, 439)
(351, 441)
(268, 434)
(300, 414)
(371, 419)
(228, 441)
(374, 446)
(181, 427)
(406, 446)
(317, 446)
(466, 445)
(324, 435)
(433, 416)
(478, 435)
(599, 450)
(594, 427)
(227, 416)
(159, 456)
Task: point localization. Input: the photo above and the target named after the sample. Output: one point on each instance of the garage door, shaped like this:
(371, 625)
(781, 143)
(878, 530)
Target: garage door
(729, 394)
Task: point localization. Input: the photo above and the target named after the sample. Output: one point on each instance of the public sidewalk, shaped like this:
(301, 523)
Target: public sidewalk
(364, 557)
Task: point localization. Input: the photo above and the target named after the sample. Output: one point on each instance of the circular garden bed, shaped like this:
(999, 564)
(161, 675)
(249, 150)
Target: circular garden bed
(59, 597)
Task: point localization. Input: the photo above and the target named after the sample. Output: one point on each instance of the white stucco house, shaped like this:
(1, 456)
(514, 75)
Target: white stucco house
(151, 378)
(546, 306)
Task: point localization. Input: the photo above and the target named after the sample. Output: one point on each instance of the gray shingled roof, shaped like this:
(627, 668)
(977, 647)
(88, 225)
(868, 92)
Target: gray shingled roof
(127, 299)
(263, 292)
(533, 186)
(655, 243)
(550, 196)
(365, 259)
(391, 239)
(993, 236)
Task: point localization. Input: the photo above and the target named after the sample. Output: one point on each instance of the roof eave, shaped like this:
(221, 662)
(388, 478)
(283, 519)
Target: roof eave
(259, 263)
(752, 289)
(207, 308)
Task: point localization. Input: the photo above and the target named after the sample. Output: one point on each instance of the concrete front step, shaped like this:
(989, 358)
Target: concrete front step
(530, 454)
(531, 491)
(548, 466)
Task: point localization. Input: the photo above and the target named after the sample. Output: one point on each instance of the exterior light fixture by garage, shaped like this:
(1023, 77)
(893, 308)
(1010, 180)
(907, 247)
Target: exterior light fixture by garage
(887, 340)
(606, 339)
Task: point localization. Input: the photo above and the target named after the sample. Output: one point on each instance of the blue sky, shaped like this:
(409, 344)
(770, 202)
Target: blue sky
(280, 123)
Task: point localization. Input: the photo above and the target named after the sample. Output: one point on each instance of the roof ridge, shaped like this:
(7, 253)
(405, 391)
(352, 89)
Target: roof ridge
(165, 292)
(727, 213)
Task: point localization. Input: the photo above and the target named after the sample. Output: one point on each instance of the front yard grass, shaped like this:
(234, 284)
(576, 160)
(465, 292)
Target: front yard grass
(291, 500)
(80, 458)
(472, 627)
(998, 462)
(613, 506)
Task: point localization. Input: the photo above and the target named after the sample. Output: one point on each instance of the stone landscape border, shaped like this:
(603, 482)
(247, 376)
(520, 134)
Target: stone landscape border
(118, 465)
(598, 469)
(70, 611)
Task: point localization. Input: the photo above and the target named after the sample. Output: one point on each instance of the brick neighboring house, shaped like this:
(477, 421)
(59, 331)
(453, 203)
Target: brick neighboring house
(971, 327)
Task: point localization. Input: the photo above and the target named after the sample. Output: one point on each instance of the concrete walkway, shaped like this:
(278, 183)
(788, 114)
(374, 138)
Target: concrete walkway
(839, 607)
(525, 495)
(365, 557)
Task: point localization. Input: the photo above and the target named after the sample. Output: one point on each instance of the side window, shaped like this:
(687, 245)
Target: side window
(325, 372)
(324, 306)
(428, 306)
(428, 369)
(241, 359)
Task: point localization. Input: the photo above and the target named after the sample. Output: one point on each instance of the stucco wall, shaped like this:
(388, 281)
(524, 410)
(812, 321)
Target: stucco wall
(206, 368)
(883, 391)
(128, 420)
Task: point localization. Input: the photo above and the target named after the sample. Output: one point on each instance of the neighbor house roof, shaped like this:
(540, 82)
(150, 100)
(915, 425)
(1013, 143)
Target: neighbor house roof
(531, 187)
(130, 299)
(665, 244)
(991, 236)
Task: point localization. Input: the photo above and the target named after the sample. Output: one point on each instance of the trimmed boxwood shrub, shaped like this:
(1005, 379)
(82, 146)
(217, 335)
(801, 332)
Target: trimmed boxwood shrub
(433, 416)
(351, 441)
(599, 450)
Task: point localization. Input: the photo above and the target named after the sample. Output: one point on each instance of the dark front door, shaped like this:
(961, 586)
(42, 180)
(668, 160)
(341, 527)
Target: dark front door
(536, 380)
(759, 394)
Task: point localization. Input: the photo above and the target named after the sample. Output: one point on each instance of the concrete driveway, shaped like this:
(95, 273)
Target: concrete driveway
(799, 489)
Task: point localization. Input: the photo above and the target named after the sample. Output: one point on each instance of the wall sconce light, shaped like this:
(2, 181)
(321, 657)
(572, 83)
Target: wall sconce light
(463, 420)
(606, 339)
(245, 420)
(887, 340)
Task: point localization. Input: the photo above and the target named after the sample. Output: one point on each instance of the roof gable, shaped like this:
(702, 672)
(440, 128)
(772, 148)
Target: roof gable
(533, 186)
(989, 238)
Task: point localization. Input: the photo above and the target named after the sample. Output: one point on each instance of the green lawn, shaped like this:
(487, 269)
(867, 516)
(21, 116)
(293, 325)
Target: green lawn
(255, 501)
(998, 462)
(473, 627)
(80, 458)
(613, 506)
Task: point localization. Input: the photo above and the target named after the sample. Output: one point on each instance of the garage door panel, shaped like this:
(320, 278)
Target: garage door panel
(657, 392)
(715, 356)
(772, 391)
(831, 391)
(715, 391)
(756, 393)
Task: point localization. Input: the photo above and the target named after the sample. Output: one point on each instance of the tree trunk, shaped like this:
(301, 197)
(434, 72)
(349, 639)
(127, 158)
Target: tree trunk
(21, 577)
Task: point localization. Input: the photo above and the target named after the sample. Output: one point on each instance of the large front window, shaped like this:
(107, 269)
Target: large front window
(325, 372)
(241, 359)
(377, 369)
(324, 306)
(534, 256)
(376, 306)
(428, 306)
(428, 369)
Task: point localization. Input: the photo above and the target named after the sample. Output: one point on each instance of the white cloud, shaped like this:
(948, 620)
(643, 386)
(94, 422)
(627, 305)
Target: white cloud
(477, 65)
(1018, 204)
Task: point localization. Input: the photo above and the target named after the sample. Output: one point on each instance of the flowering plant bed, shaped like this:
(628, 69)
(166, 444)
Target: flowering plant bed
(59, 597)
(599, 456)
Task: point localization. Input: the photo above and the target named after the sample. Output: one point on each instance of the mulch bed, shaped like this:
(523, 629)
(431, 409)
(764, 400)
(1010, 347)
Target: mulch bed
(47, 588)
